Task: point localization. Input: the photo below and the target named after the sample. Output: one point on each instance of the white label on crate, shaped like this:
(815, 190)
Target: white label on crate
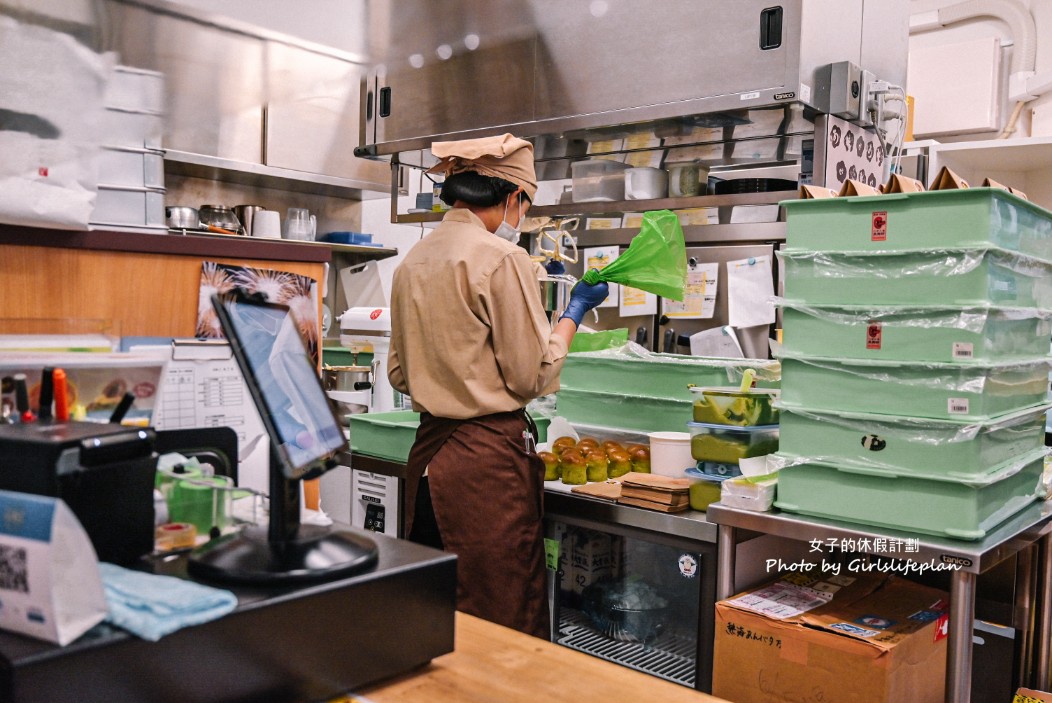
(963, 350)
(957, 406)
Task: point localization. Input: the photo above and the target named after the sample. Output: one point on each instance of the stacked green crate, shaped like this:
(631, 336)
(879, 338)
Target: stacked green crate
(915, 359)
(630, 388)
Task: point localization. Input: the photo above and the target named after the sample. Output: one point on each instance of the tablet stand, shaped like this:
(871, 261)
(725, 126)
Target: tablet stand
(285, 551)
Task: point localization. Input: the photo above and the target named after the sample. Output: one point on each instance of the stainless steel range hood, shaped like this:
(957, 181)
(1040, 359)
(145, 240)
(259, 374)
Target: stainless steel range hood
(551, 69)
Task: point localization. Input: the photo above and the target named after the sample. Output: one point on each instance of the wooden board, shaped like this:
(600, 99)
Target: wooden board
(608, 490)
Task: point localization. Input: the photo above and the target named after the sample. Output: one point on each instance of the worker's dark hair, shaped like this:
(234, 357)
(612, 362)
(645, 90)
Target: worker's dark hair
(476, 189)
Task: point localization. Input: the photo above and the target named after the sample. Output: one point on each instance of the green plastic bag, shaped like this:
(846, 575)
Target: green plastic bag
(655, 261)
(597, 341)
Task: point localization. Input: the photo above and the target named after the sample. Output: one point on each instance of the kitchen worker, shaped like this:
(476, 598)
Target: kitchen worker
(470, 343)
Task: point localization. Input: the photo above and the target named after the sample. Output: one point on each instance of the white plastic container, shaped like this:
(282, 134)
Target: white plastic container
(670, 453)
(129, 206)
(131, 128)
(597, 180)
(135, 89)
(129, 166)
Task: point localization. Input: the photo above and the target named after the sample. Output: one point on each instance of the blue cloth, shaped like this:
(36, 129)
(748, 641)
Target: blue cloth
(152, 606)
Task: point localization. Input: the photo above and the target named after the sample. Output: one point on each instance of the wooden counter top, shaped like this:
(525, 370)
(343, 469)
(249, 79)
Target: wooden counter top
(493, 663)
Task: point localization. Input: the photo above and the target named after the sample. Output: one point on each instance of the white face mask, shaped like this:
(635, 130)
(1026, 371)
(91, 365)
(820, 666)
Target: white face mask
(506, 231)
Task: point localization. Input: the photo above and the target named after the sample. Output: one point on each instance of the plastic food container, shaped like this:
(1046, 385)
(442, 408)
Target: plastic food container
(731, 406)
(975, 276)
(640, 372)
(704, 489)
(598, 179)
(670, 453)
(129, 166)
(970, 391)
(746, 494)
(726, 444)
(934, 505)
(915, 332)
(129, 206)
(958, 449)
(948, 218)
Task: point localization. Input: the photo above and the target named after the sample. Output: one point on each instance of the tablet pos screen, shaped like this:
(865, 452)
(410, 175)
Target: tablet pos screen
(283, 383)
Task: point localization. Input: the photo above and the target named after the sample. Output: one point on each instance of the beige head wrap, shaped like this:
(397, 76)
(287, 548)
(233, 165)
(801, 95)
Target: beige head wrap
(506, 157)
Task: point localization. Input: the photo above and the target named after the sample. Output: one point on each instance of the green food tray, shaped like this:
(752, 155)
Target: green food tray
(387, 435)
(659, 375)
(390, 435)
(937, 506)
(944, 277)
(944, 218)
(968, 391)
(915, 333)
(954, 449)
(625, 412)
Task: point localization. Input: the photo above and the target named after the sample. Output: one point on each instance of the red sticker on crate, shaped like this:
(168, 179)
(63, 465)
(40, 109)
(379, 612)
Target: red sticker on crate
(879, 231)
(873, 335)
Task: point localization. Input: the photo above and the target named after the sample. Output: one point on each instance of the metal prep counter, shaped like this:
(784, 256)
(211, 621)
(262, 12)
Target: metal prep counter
(1026, 534)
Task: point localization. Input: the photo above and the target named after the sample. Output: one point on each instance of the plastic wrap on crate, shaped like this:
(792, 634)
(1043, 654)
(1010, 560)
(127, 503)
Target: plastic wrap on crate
(622, 411)
(633, 369)
(956, 449)
(938, 505)
(972, 216)
(976, 390)
(914, 332)
(910, 276)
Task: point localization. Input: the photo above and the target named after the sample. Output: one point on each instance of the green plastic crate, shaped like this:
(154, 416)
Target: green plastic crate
(956, 449)
(944, 218)
(391, 435)
(626, 412)
(658, 375)
(936, 505)
(387, 435)
(917, 333)
(942, 277)
(968, 391)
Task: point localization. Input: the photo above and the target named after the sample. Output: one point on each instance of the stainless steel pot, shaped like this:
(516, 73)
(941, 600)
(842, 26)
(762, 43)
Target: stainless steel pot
(347, 378)
(245, 214)
(182, 217)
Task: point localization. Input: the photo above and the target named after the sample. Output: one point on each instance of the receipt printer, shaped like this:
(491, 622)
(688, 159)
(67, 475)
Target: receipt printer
(104, 473)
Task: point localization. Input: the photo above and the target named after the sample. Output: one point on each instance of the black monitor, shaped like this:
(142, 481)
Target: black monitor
(305, 437)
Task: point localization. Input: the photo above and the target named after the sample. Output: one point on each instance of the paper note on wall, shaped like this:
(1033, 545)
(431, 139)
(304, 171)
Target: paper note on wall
(636, 302)
(599, 258)
(750, 287)
(699, 300)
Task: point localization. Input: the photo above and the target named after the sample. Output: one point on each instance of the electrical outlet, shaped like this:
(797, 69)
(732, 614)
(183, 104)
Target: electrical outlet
(866, 81)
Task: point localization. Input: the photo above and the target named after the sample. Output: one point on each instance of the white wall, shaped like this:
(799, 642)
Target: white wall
(1041, 10)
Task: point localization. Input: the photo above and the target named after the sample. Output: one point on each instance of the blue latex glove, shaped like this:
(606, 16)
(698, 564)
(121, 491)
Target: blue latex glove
(555, 268)
(584, 297)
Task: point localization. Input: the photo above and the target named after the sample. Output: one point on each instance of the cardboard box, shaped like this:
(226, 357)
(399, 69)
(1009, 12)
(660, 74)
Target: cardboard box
(856, 637)
(1027, 695)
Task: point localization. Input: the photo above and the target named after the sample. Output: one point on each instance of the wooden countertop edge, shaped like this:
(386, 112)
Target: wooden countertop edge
(495, 663)
(228, 246)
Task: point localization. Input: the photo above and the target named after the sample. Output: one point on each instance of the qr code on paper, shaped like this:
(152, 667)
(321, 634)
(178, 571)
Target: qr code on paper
(14, 575)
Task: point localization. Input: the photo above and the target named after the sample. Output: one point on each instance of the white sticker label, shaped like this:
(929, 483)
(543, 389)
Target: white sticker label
(750, 96)
(963, 350)
(805, 92)
(957, 406)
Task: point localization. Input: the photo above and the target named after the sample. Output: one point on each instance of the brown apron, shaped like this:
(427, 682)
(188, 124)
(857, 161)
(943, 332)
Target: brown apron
(487, 490)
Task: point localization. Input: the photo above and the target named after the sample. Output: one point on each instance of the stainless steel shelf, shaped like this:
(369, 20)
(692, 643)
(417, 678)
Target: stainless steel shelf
(617, 207)
(693, 235)
(183, 163)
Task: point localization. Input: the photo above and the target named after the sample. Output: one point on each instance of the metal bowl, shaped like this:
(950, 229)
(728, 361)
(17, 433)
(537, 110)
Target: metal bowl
(182, 217)
(644, 625)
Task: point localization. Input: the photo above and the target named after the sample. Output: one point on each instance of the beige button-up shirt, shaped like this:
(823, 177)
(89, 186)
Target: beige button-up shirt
(469, 336)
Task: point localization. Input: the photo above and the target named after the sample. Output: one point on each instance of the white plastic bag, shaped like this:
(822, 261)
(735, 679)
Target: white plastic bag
(51, 107)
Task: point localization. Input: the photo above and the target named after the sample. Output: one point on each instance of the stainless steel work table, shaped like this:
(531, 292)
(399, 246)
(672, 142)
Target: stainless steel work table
(1029, 530)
